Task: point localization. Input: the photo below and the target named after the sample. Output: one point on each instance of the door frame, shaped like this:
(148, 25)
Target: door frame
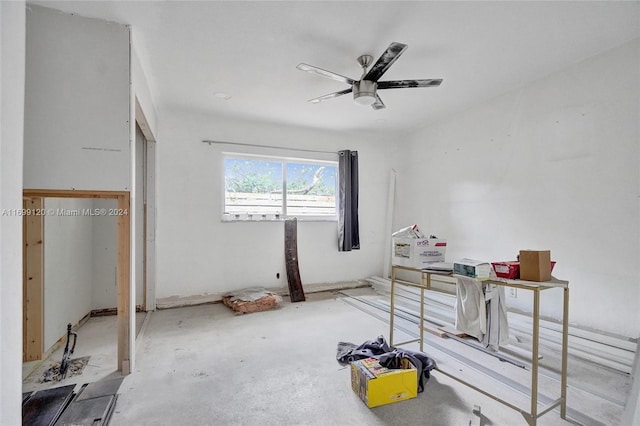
(149, 185)
(123, 199)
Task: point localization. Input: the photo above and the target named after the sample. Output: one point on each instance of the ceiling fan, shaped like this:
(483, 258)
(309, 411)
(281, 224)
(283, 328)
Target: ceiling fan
(365, 89)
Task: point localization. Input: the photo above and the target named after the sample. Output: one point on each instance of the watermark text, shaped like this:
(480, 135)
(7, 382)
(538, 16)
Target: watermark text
(64, 212)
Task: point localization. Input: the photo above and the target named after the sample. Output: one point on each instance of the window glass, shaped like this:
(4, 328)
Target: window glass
(252, 186)
(311, 189)
(273, 188)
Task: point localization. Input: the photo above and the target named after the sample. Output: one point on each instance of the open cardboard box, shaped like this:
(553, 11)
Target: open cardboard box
(377, 385)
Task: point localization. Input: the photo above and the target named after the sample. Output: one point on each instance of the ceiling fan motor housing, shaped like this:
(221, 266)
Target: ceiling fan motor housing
(364, 92)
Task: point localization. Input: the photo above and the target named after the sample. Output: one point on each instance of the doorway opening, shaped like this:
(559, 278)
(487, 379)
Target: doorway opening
(33, 273)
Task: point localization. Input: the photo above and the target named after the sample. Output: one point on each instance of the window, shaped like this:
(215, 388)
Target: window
(272, 188)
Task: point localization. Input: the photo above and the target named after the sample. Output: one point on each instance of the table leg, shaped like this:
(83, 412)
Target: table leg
(565, 344)
(534, 354)
(421, 319)
(391, 304)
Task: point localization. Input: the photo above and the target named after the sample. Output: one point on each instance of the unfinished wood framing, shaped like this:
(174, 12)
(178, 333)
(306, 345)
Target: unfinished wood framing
(124, 259)
(33, 280)
(124, 294)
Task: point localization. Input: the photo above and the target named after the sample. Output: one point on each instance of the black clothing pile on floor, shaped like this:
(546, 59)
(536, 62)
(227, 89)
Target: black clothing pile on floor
(388, 356)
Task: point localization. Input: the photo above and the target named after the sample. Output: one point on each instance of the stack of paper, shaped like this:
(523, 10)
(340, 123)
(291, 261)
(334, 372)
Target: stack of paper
(472, 268)
(439, 268)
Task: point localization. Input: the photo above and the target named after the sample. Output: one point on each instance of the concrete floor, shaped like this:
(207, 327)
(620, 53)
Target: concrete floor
(203, 365)
(97, 338)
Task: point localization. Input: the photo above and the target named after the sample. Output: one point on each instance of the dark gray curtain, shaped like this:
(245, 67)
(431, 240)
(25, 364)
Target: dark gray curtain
(348, 228)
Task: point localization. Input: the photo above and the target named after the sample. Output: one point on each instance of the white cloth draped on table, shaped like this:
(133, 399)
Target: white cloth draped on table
(471, 314)
(481, 312)
(497, 325)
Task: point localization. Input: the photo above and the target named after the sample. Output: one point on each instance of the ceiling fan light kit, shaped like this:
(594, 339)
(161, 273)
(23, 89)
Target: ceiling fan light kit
(365, 90)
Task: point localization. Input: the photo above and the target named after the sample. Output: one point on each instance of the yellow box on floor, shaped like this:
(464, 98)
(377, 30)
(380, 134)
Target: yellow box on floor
(377, 385)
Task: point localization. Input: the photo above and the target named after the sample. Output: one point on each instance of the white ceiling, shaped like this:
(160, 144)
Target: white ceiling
(192, 50)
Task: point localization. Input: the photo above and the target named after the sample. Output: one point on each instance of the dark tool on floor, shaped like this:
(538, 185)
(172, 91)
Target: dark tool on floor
(66, 356)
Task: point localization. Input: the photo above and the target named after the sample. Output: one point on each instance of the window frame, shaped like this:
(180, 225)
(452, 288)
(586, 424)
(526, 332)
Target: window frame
(284, 160)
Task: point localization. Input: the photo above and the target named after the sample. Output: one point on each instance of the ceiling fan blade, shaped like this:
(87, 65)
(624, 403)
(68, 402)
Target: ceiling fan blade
(378, 104)
(330, 95)
(324, 73)
(383, 63)
(404, 84)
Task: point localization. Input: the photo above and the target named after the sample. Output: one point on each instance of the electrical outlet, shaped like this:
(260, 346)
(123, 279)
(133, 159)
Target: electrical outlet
(513, 292)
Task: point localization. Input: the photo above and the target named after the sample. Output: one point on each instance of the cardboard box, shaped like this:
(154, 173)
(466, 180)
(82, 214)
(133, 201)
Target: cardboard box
(476, 269)
(535, 265)
(377, 385)
(417, 252)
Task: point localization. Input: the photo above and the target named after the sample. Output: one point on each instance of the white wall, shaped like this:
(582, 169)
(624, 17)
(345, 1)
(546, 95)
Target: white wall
(77, 105)
(553, 165)
(198, 255)
(105, 258)
(68, 265)
(12, 45)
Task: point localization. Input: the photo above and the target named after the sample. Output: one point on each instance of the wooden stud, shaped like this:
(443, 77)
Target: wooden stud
(71, 193)
(124, 296)
(33, 279)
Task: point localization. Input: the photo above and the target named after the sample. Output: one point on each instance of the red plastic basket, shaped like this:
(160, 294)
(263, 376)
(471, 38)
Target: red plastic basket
(510, 269)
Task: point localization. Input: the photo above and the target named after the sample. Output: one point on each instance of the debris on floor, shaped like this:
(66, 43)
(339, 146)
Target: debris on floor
(75, 368)
(92, 405)
(389, 356)
(255, 299)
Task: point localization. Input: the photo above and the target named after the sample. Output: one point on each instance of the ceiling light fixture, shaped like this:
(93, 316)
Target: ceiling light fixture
(364, 92)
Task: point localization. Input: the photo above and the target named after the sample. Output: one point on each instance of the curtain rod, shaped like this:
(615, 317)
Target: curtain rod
(266, 146)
